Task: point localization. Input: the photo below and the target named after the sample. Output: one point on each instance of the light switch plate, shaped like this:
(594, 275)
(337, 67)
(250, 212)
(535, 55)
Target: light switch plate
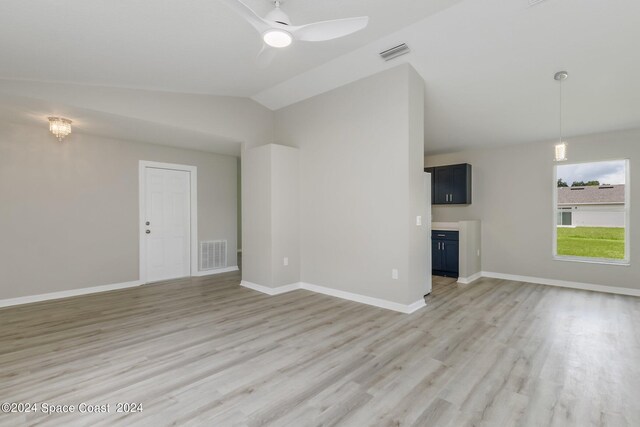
(394, 274)
(418, 220)
(286, 261)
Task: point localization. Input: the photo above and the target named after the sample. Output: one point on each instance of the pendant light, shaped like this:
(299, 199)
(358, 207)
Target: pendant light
(561, 147)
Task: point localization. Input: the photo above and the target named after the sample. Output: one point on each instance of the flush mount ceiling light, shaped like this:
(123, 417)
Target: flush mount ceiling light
(277, 38)
(561, 146)
(60, 127)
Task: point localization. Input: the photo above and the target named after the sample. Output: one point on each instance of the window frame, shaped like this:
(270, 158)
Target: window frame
(627, 215)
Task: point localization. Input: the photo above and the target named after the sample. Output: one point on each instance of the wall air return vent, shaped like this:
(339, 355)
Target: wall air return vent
(394, 52)
(213, 254)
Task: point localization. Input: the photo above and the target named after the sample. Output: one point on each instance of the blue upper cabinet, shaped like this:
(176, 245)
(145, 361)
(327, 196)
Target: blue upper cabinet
(450, 185)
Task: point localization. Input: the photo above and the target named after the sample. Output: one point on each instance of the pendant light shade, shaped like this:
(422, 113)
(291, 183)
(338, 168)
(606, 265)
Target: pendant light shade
(561, 152)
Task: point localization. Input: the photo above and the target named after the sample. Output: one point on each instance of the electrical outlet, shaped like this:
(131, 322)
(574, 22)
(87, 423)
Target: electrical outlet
(478, 252)
(394, 274)
(418, 220)
(286, 261)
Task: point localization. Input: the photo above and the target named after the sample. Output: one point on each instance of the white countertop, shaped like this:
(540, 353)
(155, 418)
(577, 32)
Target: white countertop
(445, 226)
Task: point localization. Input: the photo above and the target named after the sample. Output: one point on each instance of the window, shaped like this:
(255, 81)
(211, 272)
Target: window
(564, 217)
(591, 210)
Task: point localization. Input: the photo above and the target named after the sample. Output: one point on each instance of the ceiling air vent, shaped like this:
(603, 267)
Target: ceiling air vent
(394, 52)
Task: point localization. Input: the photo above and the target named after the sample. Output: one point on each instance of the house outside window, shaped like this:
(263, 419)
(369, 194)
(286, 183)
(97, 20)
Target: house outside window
(591, 210)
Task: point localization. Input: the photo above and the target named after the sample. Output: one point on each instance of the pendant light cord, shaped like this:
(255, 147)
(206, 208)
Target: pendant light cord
(561, 141)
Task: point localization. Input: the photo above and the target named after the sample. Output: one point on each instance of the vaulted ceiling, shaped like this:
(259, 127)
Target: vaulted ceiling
(488, 65)
(194, 46)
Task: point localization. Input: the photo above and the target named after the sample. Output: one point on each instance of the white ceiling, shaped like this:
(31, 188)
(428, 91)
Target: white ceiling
(34, 112)
(193, 46)
(488, 65)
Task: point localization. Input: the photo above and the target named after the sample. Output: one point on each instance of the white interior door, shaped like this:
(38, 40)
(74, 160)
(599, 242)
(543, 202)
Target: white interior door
(167, 224)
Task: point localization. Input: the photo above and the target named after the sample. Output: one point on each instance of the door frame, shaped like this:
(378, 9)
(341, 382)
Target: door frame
(193, 180)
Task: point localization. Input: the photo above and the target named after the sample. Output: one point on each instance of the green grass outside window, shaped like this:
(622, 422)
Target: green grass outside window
(591, 242)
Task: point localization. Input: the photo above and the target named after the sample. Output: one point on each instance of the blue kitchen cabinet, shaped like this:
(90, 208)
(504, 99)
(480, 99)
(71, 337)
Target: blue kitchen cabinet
(445, 253)
(450, 185)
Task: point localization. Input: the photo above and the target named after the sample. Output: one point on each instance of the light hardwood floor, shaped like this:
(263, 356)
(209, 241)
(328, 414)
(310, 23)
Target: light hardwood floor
(206, 351)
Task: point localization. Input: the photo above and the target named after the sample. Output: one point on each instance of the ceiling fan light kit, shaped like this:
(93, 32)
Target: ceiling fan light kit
(278, 32)
(277, 38)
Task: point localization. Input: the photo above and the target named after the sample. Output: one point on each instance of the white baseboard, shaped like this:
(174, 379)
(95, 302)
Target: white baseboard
(94, 289)
(216, 271)
(472, 278)
(69, 293)
(363, 299)
(563, 283)
(270, 291)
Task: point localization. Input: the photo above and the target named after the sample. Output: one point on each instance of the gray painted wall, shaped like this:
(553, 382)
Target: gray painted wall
(285, 219)
(470, 262)
(361, 185)
(239, 221)
(256, 215)
(69, 211)
(271, 202)
(513, 195)
(419, 238)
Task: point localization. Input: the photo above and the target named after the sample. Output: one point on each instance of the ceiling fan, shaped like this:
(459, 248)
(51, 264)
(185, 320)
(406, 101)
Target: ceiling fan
(277, 32)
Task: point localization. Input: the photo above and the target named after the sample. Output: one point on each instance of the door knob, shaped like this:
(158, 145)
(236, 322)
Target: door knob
(148, 231)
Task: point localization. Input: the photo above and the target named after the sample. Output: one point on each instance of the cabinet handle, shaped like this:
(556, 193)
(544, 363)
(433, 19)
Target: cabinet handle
(451, 197)
(443, 246)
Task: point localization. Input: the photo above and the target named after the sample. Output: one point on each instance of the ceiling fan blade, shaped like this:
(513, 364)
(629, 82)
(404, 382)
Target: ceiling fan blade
(328, 30)
(266, 56)
(246, 12)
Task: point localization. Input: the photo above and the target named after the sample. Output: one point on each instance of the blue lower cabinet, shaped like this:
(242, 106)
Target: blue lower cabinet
(450, 253)
(445, 253)
(436, 262)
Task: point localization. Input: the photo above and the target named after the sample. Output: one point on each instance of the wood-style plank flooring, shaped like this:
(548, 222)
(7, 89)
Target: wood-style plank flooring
(206, 351)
